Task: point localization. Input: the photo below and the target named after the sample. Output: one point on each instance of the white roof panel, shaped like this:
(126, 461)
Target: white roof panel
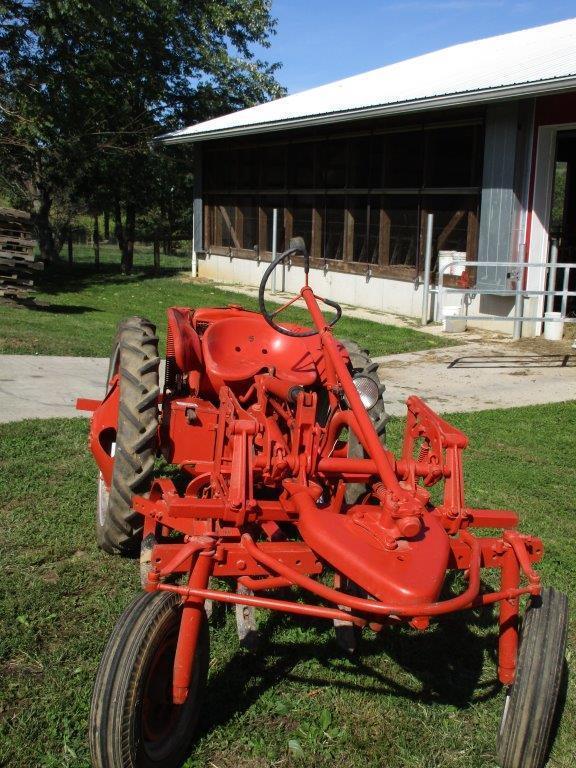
(520, 63)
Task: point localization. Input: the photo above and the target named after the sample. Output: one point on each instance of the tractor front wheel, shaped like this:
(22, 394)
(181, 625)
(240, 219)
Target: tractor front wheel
(135, 360)
(532, 699)
(133, 720)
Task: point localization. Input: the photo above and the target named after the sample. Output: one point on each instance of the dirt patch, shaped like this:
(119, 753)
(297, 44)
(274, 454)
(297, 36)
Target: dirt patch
(540, 346)
(186, 277)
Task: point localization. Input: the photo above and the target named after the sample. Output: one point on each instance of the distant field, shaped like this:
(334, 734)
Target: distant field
(407, 700)
(77, 309)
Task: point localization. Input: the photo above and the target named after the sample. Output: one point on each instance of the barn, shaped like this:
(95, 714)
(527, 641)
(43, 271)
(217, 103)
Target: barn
(482, 135)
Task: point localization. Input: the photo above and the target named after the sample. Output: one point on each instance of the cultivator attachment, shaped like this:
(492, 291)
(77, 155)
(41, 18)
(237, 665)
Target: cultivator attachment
(272, 427)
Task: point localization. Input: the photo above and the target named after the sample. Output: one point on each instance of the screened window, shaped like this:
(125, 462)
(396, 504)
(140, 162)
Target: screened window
(248, 213)
(451, 157)
(334, 163)
(302, 210)
(455, 220)
(220, 169)
(376, 171)
(359, 162)
(404, 226)
(225, 226)
(333, 228)
(356, 199)
(268, 210)
(273, 166)
(365, 217)
(301, 165)
(403, 156)
(247, 160)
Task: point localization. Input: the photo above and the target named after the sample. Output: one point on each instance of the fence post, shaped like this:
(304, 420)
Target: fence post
(427, 266)
(518, 305)
(565, 292)
(552, 274)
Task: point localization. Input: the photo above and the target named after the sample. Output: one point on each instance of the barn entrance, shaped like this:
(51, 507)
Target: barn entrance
(562, 225)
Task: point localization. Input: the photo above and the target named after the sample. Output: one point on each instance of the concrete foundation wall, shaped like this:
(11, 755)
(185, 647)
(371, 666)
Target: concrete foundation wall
(381, 294)
(377, 293)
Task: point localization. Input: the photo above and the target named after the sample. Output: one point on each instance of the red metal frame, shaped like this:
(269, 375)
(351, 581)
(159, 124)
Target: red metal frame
(258, 429)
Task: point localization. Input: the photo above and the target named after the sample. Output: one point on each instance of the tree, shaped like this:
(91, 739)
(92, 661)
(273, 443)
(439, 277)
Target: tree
(87, 85)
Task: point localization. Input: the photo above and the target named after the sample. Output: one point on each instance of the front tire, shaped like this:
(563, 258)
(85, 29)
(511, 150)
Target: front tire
(133, 721)
(532, 699)
(135, 359)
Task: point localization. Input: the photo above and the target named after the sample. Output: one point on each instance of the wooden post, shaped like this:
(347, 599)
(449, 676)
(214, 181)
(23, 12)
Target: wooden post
(96, 242)
(349, 224)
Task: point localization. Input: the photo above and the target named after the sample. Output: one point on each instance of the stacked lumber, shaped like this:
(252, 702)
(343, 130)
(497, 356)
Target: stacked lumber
(17, 262)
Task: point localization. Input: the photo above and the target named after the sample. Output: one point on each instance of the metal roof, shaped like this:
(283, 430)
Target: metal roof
(525, 63)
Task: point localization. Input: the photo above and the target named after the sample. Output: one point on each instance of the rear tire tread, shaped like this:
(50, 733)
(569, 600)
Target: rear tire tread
(136, 442)
(362, 364)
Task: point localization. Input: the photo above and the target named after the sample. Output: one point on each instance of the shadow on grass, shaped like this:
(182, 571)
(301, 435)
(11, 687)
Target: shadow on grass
(60, 309)
(58, 278)
(447, 662)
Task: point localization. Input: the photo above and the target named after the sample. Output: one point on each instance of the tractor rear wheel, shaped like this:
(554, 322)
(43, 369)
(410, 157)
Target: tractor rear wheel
(532, 699)
(347, 634)
(362, 365)
(135, 359)
(133, 720)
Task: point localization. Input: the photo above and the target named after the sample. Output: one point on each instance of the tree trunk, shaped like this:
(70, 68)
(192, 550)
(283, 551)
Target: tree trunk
(106, 224)
(129, 233)
(156, 253)
(96, 242)
(70, 247)
(44, 230)
(119, 233)
(118, 226)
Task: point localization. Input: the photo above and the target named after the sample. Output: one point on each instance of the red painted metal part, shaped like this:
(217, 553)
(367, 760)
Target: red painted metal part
(258, 426)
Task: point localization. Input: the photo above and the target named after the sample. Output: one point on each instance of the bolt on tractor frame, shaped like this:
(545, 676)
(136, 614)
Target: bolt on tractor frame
(273, 428)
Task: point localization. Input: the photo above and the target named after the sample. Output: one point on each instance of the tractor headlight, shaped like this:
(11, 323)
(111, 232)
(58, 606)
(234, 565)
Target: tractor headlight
(367, 389)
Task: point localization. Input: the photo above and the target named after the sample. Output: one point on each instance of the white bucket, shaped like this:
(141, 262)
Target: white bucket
(451, 298)
(553, 331)
(452, 320)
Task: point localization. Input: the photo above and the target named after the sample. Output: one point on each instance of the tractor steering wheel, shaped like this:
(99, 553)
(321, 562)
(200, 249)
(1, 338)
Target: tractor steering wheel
(297, 247)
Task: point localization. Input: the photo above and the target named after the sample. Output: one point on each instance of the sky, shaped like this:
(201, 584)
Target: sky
(319, 41)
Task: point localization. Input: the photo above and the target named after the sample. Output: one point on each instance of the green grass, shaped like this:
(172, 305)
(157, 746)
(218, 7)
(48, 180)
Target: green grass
(422, 700)
(77, 309)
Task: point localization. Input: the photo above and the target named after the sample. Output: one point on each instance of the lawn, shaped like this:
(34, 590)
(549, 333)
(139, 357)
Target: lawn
(407, 700)
(77, 309)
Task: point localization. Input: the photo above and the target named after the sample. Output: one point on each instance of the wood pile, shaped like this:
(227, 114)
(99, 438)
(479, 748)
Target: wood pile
(17, 261)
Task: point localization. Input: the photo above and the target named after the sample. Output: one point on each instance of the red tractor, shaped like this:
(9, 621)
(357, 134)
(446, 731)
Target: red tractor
(284, 480)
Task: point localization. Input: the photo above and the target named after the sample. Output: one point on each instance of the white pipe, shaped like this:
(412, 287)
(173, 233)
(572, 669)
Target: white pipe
(274, 239)
(565, 291)
(194, 259)
(518, 307)
(427, 266)
(552, 274)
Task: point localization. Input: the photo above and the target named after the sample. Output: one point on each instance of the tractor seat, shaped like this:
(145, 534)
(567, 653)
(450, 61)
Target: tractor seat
(236, 349)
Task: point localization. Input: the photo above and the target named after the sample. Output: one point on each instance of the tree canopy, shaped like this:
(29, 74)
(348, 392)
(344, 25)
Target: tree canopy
(86, 84)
